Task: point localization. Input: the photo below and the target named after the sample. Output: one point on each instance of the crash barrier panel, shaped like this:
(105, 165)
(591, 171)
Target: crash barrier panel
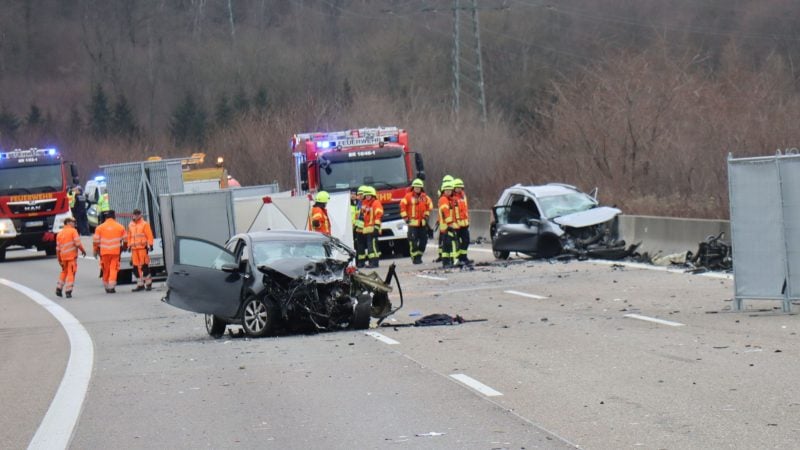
(765, 225)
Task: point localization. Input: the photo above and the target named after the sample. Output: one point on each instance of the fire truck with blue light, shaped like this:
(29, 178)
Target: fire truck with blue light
(33, 198)
(344, 160)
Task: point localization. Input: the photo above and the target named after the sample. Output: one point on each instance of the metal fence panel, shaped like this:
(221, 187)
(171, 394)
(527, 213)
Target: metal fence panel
(204, 215)
(790, 190)
(765, 227)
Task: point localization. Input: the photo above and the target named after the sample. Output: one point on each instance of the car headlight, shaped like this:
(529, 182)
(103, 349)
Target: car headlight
(58, 222)
(7, 229)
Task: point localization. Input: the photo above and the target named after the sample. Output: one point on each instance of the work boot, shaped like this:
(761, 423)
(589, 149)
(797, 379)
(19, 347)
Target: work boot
(58, 292)
(447, 263)
(137, 289)
(417, 260)
(373, 264)
(148, 288)
(360, 264)
(68, 294)
(111, 291)
(438, 259)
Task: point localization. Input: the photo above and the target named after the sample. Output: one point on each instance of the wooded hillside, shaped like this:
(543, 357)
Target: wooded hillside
(642, 98)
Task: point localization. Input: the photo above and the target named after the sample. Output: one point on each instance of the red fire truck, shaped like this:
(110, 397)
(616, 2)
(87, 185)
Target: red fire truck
(33, 198)
(344, 160)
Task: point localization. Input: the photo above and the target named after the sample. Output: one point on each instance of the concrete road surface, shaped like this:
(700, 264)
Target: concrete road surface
(577, 354)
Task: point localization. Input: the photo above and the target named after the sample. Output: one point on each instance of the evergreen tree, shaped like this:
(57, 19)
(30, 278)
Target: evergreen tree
(99, 113)
(122, 122)
(224, 113)
(347, 94)
(75, 121)
(189, 122)
(241, 105)
(34, 116)
(9, 123)
(260, 101)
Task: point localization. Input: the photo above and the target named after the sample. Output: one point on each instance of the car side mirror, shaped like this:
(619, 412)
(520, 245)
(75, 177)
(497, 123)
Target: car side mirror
(533, 222)
(230, 268)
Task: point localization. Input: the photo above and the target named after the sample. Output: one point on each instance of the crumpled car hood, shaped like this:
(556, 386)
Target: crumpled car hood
(588, 218)
(297, 267)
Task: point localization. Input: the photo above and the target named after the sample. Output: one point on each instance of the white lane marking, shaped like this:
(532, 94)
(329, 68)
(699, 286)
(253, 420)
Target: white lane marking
(524, 294)
(431, 277)
(654, 320)
(55, 431)
(722, 276)
(382, 338)
(475, 384)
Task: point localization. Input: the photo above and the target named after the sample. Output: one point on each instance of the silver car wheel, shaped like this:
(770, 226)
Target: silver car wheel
(255, 316)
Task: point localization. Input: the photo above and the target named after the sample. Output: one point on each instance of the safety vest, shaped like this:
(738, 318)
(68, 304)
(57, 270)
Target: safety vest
(71, 198)
(446, 214)
(102, 203)
(372, 210)
(461, 210)
(68, 242)
(318, 221)
(139, 234)
(355, 212)
(415, 209)
(109, 237)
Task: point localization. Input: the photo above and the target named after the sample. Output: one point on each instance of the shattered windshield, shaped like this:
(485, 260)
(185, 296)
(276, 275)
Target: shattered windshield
(30, 179)
(562, 205)
(267, 252)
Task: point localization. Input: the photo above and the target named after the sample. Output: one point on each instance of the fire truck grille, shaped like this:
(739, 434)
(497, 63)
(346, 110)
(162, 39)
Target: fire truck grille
(24, 208)
(391, 211)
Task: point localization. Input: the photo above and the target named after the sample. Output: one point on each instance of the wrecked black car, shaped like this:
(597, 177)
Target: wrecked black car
(553, 219)
(272, 279)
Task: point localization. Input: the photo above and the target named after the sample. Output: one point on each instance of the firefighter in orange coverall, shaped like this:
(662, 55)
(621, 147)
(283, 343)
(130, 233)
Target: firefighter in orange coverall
(372, 210)
(109, 240)
(318, 220)
(68, 243)
(140, 241)
(415, 208)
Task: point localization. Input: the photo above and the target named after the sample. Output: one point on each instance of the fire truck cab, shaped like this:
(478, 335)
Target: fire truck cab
(344, 160)
(33, 198)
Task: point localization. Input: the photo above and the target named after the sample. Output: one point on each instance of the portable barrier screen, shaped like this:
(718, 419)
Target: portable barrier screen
(765, 228)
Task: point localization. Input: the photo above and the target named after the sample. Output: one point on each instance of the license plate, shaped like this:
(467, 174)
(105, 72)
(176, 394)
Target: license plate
(35, 223)
(156, 262)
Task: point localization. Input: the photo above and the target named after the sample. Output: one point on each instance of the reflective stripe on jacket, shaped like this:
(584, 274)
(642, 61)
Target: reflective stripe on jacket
(68, 242)
(140, 235)
(109, 237)
(372, 210)
(319, 220)
(446, 216)
(415, 209)
(462, 210)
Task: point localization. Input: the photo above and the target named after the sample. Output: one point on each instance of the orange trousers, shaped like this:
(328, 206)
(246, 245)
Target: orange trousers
(110, 265)
(141, 260)
(66, 280)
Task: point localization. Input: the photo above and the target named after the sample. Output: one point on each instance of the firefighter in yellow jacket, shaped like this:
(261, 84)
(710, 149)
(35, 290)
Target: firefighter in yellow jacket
(447, 225)
(372, 210)
(140, 242)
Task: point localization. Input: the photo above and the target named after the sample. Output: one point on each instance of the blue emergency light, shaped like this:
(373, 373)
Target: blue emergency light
(100, 178)
(51, 151)
(324, 144)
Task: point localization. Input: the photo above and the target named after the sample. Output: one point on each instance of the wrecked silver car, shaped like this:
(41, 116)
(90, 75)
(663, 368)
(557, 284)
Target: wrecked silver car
(553, 219)
(267, 280)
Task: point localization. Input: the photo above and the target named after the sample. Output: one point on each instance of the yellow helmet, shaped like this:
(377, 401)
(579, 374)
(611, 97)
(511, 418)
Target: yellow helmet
(447, 178)
(417, 183)
(322, 197)
(362, 189)
(447, 185)
(458, 183)
(371, 191)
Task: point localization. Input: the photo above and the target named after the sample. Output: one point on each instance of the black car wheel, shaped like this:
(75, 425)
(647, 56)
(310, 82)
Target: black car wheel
(499, 254)
(258, 317)
(362, 313)
(215, 326)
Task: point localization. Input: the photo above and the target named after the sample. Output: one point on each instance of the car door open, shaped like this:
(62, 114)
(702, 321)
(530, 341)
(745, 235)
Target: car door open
(204, 279)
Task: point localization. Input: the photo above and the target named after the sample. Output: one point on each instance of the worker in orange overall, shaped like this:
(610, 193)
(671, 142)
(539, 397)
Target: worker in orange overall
(109, 240)
(68, 243)
(318, 219)
(372, 210)
(140, 241)
(448, 227)
(415, 208)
